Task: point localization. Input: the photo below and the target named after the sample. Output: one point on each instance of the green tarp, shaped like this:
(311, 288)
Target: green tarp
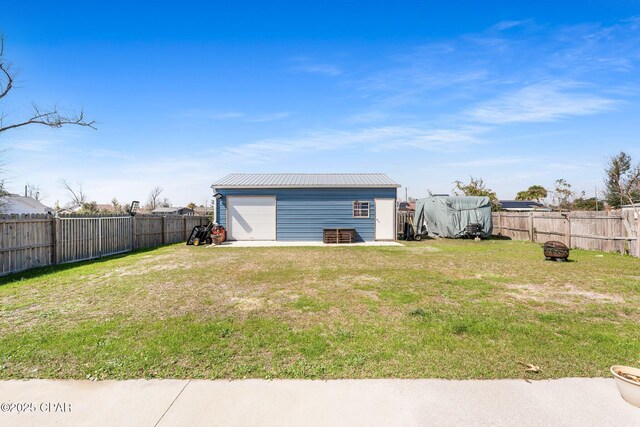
(448, 216)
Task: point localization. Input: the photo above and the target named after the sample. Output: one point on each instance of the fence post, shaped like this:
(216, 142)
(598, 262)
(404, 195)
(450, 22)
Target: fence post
(569, 231)
(637, 234)
(100, 237)
(56, 241)
(164, 231)
(531, 236)
(134, 241)
(185, 227)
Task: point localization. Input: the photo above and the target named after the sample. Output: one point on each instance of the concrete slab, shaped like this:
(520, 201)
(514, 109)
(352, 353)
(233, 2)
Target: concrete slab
(92, 403)
(269, 244)
(564, 402)
(570, 402)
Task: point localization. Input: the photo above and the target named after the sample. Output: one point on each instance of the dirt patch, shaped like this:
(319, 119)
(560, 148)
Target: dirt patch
(361, 279)
(135, 270)
(594, 295)
(247, 304)
(566, 295)
(372, 295)
(419, 249)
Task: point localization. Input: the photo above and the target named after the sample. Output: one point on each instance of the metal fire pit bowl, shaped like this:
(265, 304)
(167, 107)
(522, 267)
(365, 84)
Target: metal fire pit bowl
(556, 251)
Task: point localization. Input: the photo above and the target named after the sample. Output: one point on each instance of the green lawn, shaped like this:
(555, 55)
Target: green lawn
(442, 309)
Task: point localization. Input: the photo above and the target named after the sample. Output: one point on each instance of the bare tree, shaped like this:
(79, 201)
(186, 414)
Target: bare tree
(51, 117)
(3, 202)
(154, 198)
(77, 196)
(3, 192)
(165, 203)
(35, 192)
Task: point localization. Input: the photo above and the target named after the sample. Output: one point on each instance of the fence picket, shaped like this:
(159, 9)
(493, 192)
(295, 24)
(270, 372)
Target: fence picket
(28, 241)
(603, 231)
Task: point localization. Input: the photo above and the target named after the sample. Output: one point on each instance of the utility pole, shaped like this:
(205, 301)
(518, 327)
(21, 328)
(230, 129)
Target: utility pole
(406, 192)
(596, 198)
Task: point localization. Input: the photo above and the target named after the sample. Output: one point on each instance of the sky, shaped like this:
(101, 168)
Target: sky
(517, 93)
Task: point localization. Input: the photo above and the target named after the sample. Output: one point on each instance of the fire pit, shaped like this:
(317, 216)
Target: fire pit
(556, 251)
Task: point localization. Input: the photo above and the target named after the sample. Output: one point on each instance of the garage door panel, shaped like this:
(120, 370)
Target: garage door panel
(252, 218)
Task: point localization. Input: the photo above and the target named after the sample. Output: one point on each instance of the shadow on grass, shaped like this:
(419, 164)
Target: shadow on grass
(496, 237)
(43, 271)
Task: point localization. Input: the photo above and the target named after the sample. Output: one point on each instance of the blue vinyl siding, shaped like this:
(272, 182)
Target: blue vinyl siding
(301, 214)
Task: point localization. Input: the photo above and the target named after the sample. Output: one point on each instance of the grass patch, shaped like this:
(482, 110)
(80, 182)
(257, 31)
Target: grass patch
(441, 309)
(306, 303)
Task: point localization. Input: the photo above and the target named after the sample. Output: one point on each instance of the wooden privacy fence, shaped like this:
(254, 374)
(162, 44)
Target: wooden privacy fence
(28, 241)
(613, 231)
(401, 218)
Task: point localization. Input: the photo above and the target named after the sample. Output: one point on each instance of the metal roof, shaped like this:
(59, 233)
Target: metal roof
(305, 180)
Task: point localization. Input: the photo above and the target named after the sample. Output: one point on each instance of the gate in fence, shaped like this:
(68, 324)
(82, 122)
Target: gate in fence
(89, 238)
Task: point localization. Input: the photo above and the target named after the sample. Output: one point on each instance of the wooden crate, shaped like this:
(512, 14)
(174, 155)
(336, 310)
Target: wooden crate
(338, 235)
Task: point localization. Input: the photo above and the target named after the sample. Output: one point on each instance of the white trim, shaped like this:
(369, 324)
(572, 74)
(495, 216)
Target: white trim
(353, 208)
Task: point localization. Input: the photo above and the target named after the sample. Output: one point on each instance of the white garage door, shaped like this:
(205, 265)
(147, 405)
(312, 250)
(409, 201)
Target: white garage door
(251, 218)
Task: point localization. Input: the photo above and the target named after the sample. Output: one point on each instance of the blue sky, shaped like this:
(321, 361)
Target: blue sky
(428, 92)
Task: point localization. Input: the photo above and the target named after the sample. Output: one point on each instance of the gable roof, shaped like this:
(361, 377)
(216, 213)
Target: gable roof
(23, 204)
(305, 180)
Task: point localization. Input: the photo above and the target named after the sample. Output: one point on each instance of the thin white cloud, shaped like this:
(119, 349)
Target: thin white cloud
(505, 25)
(373, 139)
(30, 144)
(234, 115)
(311, 66)
(224, 116)
(323, 69)
(539, 103)
(268, 117)
(487, 162)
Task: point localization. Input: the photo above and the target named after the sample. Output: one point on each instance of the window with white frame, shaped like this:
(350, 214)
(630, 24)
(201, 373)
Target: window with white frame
(360, 209)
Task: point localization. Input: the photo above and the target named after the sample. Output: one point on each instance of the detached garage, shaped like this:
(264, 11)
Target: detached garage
(303, 206)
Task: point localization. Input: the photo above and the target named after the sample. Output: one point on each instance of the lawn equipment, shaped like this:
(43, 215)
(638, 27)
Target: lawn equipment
(204, 234)
(201, 234)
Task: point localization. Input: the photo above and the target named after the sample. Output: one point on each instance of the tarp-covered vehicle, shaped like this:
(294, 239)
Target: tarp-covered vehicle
(453, 216)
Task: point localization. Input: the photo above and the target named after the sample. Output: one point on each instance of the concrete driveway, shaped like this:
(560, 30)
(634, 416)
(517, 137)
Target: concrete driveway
(565, 402)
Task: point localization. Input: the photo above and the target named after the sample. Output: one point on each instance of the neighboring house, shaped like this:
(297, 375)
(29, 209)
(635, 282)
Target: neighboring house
(298, 207)
(203, 211)
(108, 208)
(69, 210)
(522, 206)
(14, 204)
(407, 206)
(172, 210)
(103, 208)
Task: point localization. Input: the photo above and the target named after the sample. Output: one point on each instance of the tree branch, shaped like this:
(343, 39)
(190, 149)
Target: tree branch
(52, 118)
